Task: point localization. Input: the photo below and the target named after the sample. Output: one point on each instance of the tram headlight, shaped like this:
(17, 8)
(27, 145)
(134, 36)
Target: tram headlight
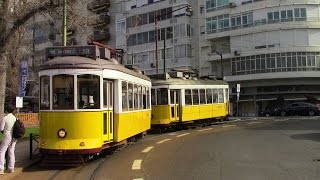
(62, 133)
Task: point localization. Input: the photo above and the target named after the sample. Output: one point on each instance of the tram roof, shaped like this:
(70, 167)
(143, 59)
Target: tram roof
(182, 81)
(78, 62)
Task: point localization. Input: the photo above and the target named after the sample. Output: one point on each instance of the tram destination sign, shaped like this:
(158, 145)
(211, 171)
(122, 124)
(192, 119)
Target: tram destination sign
(90, 51)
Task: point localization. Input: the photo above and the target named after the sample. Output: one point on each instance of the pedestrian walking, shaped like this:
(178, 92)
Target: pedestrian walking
(8, 142)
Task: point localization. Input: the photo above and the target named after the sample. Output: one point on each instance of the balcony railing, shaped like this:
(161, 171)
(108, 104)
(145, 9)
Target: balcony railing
(263, 22)
(98, 4)
(101, 20)
(102, 36)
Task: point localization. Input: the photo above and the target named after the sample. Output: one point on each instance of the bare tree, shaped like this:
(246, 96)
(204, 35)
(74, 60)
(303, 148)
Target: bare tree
(13, 16)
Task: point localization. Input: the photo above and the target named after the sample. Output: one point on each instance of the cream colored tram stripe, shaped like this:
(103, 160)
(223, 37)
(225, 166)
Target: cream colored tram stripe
(228, 125)
(163, 141)
(147, 149)
(205, 129)
(182, 134)
(136, 164)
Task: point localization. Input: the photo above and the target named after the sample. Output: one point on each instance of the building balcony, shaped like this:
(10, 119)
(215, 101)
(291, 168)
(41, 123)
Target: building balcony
(96, 5)
(101, 20)
(102, 36)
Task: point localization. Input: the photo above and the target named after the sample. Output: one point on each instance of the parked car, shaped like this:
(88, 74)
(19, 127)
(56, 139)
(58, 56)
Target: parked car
(299, 108)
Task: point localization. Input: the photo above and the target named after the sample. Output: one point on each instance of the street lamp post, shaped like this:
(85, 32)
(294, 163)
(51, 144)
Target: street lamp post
(188, 9)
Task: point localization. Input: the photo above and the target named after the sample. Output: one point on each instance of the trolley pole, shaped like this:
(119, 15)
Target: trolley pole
(64, 37)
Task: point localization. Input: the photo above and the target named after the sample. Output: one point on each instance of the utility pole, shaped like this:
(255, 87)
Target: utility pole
(221, 65)
(164, 50)
(157, 36)
(64, 24)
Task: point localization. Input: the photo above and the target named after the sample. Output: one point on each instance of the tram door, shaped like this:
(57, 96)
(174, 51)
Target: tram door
(174, 105)
(108, 90)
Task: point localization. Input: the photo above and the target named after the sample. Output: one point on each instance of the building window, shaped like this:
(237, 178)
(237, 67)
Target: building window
(300, 14)
(212, 5)
(276, 62)
(121, 25)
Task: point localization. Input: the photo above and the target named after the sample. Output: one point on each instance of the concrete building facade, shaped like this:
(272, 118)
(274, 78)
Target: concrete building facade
(271, 48)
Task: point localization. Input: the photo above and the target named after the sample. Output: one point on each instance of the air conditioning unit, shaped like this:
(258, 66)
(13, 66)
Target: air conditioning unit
(232, 4)
(153, 65)
(236, 53)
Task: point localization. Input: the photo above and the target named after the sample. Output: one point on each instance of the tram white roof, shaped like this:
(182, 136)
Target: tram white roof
(77, 62)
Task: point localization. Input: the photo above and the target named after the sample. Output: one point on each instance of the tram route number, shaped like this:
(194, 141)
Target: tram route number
(88, 51)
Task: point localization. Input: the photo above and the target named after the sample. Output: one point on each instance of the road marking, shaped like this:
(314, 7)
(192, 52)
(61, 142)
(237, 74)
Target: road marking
(183, 134)
(228, 125)
(205, 129)
(147, 149)
(163, 141)
(257, 122)
(136, 164)
(280, 120)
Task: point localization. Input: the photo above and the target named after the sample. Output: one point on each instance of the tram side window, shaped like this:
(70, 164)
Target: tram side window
(140, 97)
(130, 96)
(88, 91)
(227, 94)
(220, 96)
(188, 97)
(45, 92)
(153, 97)
(215, 95)
(63, 97)
(162, 96)
(136, 97)
(209, 96)
(124, 96)
(144, 97)
(148, 98)
(195, 95)
(202, 96)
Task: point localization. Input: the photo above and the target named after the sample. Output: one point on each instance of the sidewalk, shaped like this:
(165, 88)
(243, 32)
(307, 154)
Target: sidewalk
(22, 158)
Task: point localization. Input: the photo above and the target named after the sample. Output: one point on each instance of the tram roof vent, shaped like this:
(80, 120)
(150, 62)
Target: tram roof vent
(176, 74)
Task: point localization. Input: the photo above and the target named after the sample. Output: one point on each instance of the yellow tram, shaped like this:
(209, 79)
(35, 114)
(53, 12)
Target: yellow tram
(88, 103)
(178, 99)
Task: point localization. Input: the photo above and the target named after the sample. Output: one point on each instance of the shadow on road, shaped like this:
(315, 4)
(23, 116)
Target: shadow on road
(307, 136)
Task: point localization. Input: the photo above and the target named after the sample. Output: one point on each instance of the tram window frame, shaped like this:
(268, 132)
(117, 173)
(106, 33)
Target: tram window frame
(68, 92)
(215, 96)
(227, 94)
(195, 97)
(162, 96)
(202, 96)
(209, 96)
(188, 97)
(88, 96)
(130, 96)
(135, 97)
(125, 104)
(154, 97)
(140, 94)
(144, 97)
(148, 98)
(107, 100)
(44, 92)
(220, 96)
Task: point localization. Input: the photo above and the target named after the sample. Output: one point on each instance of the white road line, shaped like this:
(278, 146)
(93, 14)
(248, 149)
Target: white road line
(136, 164)
(163, 141)
(257, 122)
(279, 120)
(183, 134)
(228, 125)
(205, 129)
(147, 149)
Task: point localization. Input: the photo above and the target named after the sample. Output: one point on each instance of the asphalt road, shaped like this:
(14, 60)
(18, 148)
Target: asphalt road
(284, 148)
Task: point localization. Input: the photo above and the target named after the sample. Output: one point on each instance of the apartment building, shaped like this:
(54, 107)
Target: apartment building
(269, 47)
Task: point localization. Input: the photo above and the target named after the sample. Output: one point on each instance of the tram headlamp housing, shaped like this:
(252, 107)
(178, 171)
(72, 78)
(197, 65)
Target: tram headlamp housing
(62, 133)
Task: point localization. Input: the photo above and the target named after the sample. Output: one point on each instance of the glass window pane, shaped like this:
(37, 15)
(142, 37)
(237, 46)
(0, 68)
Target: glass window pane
(195, 95)
(202, 96)
(209, 96)
(88, 91)
(188, 99)
(44, 92)
(162, 96)
(124, 96)
(63, 96)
